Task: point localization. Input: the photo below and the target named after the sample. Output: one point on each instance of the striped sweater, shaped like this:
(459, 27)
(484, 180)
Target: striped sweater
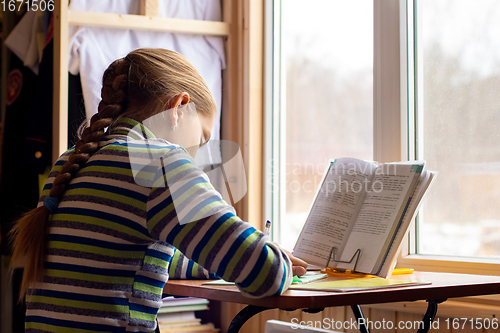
(122, 228)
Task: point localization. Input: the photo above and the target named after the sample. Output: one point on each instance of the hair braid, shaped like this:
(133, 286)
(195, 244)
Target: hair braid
(26, 234)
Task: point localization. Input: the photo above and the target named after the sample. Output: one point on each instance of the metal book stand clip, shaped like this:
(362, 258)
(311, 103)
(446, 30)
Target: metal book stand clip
(356, 255)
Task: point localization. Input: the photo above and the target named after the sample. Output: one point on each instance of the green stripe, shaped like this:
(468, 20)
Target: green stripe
(155, 261)
(183, 167)
(107, 195)
(182, 234)
(153, 221)
(194, 270)
(96, 250)
(89, 277)
(202, 212)
(264, 272)
(179, 169)
(99, 222)
(143, 316)
(215, 237)
(238, 254)
(147, 288)
(173, 263)
(79, 304)
(55, 329)
(107, 169)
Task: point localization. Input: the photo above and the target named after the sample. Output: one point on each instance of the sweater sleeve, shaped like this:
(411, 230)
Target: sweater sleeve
(183, 268)
(184, 210)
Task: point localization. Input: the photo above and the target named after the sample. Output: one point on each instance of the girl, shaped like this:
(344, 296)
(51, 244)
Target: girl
(121, 209)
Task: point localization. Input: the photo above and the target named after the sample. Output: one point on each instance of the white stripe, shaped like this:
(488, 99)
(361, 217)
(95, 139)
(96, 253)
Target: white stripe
(113, 182)
(145, 302)
(106, 209)
(152, 275)
(250, 264)
(227, 245)
(77, 318)
(88, 234)
(201, 233)
(90, 263)
(82, 290)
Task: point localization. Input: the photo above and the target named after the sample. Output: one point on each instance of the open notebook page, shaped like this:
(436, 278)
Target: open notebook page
(334, 210)
(383, 206)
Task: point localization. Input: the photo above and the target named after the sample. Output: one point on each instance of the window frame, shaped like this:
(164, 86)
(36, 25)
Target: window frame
(394, 101)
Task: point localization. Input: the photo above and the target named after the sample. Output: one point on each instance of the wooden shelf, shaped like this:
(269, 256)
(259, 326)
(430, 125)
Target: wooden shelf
(149, 23)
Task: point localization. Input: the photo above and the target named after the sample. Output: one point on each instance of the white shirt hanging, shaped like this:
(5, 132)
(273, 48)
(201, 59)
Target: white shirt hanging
(92, 49)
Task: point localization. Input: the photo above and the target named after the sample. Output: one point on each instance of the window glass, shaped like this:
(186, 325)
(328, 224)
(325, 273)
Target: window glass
(458, 68)
(327, 50)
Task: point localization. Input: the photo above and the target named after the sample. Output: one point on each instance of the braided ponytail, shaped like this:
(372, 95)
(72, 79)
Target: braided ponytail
(29, 233)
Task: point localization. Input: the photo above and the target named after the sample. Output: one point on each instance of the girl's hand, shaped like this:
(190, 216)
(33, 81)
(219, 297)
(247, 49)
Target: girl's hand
(299, 266)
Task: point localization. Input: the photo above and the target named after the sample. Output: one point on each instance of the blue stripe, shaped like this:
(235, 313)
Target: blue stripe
(160, 255)
(172, 234)
(192, 212)
(193, 182)
(283, 278)
(89, 270)
(145, 146)
(189, 270)
(91, 213)
(74, 324)
(142, 308)
(60, 162)
(96, 242)
(47, 186)
(234, 247)
(149, 281)
(81, 297)
(111, 189)
(177, 163)
(157, 208)
(256, 269)
(208, 235)
(104, 163)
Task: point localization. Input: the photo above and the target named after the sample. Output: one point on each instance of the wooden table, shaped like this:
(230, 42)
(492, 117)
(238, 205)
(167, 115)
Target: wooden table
(442, 287)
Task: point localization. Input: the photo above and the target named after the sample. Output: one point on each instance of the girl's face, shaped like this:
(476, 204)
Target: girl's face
(182, 125)
(192, 130)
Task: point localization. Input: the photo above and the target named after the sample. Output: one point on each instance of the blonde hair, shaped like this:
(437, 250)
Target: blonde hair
(138, 86)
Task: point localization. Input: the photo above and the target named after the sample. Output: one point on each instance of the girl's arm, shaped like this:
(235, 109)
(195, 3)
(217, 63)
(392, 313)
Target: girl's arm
(184, 210)
(182, 267)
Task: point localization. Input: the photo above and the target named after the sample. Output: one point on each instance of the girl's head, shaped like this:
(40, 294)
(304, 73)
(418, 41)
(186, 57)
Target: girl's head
(145, 83)
(150, 82)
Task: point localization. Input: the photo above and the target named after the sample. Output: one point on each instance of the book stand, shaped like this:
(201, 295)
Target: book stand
(333, 252)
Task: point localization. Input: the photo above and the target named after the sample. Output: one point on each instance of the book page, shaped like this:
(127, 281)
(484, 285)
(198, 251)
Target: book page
(383, 206)
(390, 259)
(334, 210)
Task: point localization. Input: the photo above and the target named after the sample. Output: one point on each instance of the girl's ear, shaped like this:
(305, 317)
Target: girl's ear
(174, 115)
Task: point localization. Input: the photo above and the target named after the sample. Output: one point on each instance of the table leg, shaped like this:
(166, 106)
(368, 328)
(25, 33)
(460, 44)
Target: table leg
(430, 314)
(360, 319)
(242, 317)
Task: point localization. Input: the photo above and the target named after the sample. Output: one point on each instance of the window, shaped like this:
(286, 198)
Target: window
(390, 80)
(327, 59)
(458, 110)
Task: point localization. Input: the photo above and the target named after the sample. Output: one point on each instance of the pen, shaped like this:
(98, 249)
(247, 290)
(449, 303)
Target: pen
(267, 229)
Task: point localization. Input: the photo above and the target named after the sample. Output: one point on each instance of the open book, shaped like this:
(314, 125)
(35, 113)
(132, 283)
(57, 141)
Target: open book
(361, 205)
